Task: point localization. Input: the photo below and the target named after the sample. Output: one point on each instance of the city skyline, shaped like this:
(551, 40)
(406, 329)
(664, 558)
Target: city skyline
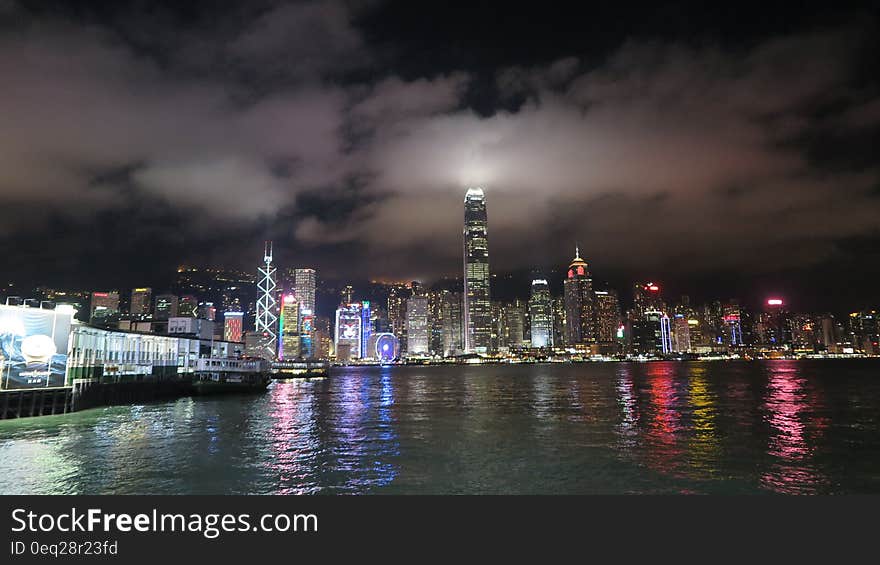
(737, 158)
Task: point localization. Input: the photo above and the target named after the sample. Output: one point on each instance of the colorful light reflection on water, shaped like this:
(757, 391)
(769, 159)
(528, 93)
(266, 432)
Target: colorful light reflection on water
(776, 426)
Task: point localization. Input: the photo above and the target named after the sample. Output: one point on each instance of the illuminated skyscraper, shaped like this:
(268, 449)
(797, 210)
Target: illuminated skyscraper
(140, 301)
(607, 316)
(647, 298)
(579, 323)
(514, 325)
(366, 324)
(104, 307)
(450, 307)
(267, 319)
(233, 326)
(417, 330)
(477, 303)
(774, 325)
(304, 283)
(188, 306)
(397, 313)
(348, 332)
(166, 307)
(681, 333)
(346, 296)
(288, 327)
(541, 314)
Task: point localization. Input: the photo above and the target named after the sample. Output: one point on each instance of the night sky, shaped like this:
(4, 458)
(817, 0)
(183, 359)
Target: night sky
(725, 151)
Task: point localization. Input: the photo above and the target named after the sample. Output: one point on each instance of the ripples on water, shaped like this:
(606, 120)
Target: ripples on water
(700, 427)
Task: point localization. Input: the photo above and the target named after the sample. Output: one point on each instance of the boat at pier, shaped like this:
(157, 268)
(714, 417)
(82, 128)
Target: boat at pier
(218, 375)
(299, 369)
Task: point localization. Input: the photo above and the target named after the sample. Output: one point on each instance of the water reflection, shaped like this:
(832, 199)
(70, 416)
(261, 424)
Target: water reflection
(788, 407)
(780, 426)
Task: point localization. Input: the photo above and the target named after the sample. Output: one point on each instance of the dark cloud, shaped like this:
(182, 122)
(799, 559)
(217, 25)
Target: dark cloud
(292, 121)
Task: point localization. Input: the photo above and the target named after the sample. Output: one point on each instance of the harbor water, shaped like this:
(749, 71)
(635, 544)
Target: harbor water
(799, 427)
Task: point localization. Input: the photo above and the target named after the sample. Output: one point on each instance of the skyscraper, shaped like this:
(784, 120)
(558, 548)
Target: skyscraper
(397, 313)
(514, 326)
(450, 308)
(232, 326)
(541, 314)
(104, 307)
(166, 307)
(348, 332)
(188, 306)
(607, 315)
(304, 283)
(267, 319)
(140, 301)
(288, 328)
(579, 324)
(346, 295)
(477, 303)
(417, 329)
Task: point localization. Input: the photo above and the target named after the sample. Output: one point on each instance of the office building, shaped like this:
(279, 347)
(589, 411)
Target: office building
(233, 326)
(417, 328)
(166, 307)
(477, 302)
(578, 287)
(347, 342)
(104, 307)
(288, 328)
(141, 302)
(541, 314)
(304, 284)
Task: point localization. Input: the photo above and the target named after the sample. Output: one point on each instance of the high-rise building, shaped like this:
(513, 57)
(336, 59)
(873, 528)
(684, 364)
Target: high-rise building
(541, 314)
(436, 321)
(647, 334)
(647, 298)
(348, 332)
(774, 325)
(166, 307)
(559, 332)
(288, 328)
(207, 311)
(267, 318)
(732, 316)
(514, 328)
(346, 295)
(607, 316)
(304, 284)
(366, 324)
(417, 329)
(665, 334)
(864, 329)
(307, 334)
(233, 326)
(397, 313)
(188, 306)
(104, 307)
(141, 299)
(451, 306)
(578, 286)
(477, 302)
(681, 334)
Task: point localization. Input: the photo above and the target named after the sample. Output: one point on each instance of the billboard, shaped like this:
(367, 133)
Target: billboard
(33, 346)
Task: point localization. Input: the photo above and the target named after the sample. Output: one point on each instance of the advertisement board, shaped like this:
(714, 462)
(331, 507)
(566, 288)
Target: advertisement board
(33, 346)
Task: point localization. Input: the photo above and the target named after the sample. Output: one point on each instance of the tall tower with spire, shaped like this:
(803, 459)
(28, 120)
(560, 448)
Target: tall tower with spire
(578, 286)
(477, 305)
(267, 318)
